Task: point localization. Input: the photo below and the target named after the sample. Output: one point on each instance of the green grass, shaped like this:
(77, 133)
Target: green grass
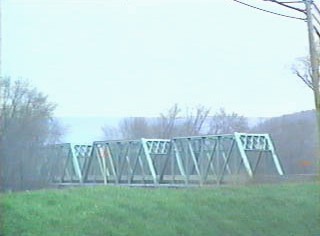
(291, 209)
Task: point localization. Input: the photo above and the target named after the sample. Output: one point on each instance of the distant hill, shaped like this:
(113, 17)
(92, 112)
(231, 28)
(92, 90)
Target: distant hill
(294, 136)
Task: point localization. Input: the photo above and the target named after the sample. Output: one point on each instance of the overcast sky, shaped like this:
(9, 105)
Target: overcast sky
(139, 57)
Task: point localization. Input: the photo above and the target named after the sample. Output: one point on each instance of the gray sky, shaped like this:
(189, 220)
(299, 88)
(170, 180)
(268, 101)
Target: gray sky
(139, 57)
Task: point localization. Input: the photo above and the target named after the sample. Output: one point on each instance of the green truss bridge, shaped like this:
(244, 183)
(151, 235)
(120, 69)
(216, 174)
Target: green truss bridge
(197, 160)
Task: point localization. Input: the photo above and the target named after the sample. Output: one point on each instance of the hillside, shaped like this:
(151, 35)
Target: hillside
(280, 210)
(294, 137)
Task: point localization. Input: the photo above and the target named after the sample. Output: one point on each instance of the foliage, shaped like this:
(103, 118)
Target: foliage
(174, 123)
(26, 125)
(308, 70)
(224, 123)
(291, 209)
(302, 69)
(131, 128)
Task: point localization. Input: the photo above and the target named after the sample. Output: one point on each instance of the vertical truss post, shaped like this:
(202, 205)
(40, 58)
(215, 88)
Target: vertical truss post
(87, 163)
(101, 166)
(202, 158)
(179, 161)
(149, 160)
(132, 170)
(243, 154)
(67, 159)
(111, 161)
(210, 165)
(123, 153)
(126, 159)
(194, 159)
(257, 162)
(167, 159)
(172, 156)
(225, 164)
(274, 156)
(75, 164)
(71, 166)
(223, 154)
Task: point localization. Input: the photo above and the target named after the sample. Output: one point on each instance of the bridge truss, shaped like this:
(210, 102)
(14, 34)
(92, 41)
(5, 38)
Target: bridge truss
(210, 159)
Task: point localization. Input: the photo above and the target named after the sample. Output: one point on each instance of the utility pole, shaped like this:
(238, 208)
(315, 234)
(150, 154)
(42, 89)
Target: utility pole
(306, 7)
(1, 85)
(314, 62)
(0, 42)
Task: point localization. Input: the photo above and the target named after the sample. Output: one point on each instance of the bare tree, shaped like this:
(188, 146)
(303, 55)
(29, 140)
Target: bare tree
(26, 126)
(308, 70)
(224, 123)
(303, 70)
(128, 128)
(165, 126)
(171, 123)
(111, 133)
(134, 128)
(194, 120)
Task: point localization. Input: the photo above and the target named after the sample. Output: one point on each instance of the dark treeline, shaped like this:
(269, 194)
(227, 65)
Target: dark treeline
(295, 138)
(26, 127)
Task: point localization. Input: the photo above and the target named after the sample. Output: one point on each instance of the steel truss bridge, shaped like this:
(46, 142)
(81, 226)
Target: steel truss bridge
(210, 159)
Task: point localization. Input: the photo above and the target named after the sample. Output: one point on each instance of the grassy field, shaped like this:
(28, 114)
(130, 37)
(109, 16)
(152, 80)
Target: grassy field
(291, 209)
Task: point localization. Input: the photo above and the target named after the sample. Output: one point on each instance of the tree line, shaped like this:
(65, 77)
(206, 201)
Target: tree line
(177, 122)
(27, 126)
(294, 135)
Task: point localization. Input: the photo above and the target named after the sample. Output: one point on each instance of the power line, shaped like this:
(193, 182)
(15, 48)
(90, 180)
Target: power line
(284, 4)
(316, 19)
(296, 1)
(271, 12)
(315, 6)
(317, 31)
(312, 4)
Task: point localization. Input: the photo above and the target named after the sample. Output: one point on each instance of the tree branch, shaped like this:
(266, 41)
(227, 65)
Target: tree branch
(304, 79)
